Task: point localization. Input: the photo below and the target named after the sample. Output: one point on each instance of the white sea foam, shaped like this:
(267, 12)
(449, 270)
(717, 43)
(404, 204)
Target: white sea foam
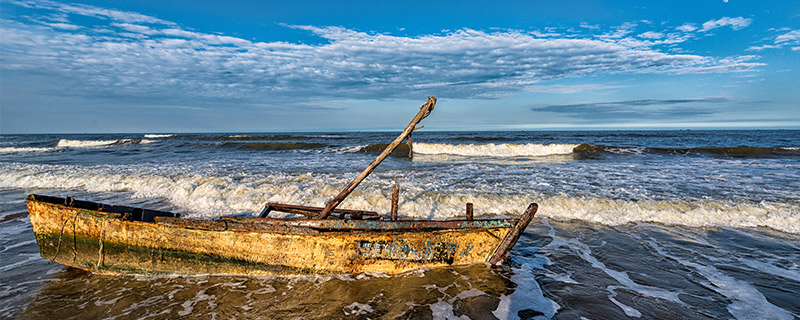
(156, 136)
(494, 150)
(340, 150)
(23, 149)
(701, 213)
(627, 150)
(793, 273)
(357, 309)
(66, 143)
(17, 245)
(209, 196)
(629, 311)
(188, 305)
(585, 252)
(746, 301)
(28, 259)
(528, 294)
(328, 136)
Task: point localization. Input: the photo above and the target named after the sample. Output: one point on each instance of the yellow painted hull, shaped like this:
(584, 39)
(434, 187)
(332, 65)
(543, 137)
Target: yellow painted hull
(103, 240)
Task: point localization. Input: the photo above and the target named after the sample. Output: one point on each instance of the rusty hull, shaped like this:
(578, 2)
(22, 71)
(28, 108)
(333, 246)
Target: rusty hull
(106, 242)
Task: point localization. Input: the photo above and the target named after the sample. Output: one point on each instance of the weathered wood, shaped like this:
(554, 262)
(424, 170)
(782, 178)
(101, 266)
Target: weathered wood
(469, 211)
(501, 253)
(424, 111)
(310, 211)
(339, 225)
(102, 242)
(395, 198)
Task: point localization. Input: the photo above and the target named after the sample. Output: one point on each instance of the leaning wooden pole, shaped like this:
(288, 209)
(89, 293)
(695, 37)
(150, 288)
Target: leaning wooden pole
(424, 111)
(501, 252)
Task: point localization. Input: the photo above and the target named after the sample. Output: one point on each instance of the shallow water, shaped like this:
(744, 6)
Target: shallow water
(632, 224)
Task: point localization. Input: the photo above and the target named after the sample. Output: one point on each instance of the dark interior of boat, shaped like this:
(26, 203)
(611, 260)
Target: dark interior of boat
(127, 213)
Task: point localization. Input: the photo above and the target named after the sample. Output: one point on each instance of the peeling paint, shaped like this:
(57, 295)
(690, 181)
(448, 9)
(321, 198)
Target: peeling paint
(105, 242)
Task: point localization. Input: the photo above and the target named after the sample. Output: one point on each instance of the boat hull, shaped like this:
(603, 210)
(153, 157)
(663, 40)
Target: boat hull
(106, 242)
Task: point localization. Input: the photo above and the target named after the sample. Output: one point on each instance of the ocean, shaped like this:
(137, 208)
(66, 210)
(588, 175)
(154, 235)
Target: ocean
(632, 224)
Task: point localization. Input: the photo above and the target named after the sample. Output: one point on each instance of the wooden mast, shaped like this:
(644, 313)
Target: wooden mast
(424, 111)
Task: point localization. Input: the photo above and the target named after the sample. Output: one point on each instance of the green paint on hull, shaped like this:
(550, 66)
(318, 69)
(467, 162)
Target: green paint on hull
(115, 258)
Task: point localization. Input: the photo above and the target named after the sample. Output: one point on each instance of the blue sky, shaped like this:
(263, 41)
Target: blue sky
(228, 66)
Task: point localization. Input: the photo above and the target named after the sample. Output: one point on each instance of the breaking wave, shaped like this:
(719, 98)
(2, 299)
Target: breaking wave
(197, 195)
(156, 136)
(495, 150)
(66, 143)
(538, 150)
(23, 149)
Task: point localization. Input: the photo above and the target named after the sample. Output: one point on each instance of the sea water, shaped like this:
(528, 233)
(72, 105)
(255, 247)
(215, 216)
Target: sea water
(632, 224)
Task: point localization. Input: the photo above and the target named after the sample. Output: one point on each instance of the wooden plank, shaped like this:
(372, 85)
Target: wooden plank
(376, 225)
(312, 211)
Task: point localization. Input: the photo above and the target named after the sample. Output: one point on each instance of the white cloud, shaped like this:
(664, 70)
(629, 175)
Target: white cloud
(688, 27)
(789, 37)
(135, 28)
(735, 23)
(651, 35)
(139, 56)
(620, 31)
(116, 15)
(63, 26)
(572, 88)
(762, 47)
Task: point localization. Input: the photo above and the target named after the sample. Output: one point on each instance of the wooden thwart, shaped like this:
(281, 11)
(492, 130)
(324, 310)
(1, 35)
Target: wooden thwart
(314, 211)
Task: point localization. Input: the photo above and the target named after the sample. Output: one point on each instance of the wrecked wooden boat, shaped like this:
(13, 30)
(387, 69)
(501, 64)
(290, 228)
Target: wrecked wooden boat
(124, 240)
(113, 239)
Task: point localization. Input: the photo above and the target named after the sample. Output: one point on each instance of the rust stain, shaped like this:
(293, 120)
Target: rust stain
(107, 242)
